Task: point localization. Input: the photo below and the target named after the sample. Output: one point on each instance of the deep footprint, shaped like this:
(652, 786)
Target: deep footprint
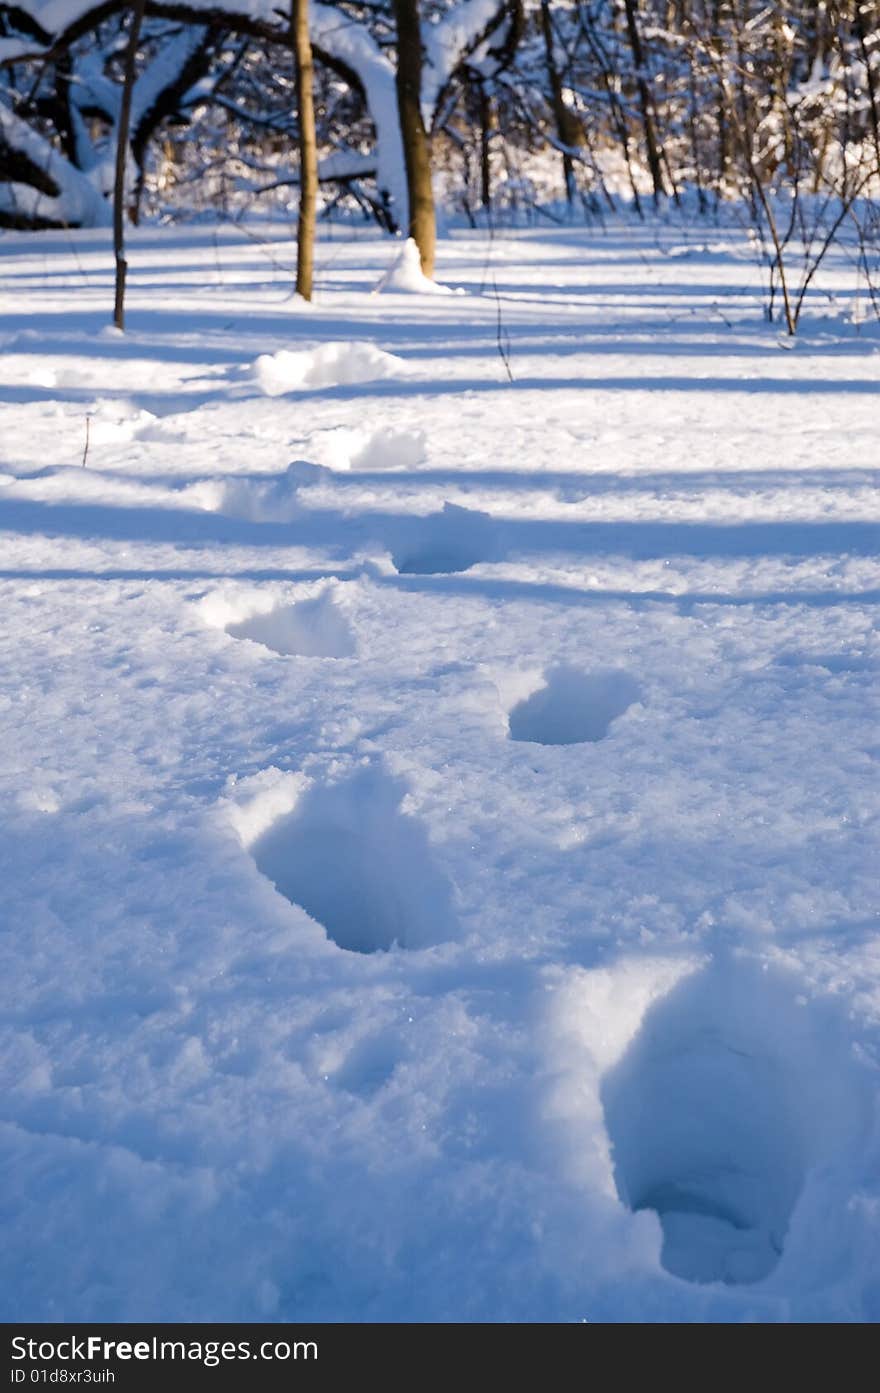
(574, 707)
(446, 542)
(311, 629)
(359, 866)
(728, 1095)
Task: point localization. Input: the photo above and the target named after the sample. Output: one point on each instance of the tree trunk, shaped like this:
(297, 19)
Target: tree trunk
(568, 128)
(871, 77)
(486, 127)
(416, 147)
(308, 149)
(618, 116)
(638, 53)
(122, 129)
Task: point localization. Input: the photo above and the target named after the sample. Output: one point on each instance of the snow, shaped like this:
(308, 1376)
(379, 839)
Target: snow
(73, 198)
(10, 49)
(314, 628)
(440, 812)
(729, 1097)
(327, 365)
(165, 69)
(573, 707)
(353, 45)
(56, 16)
(348, 42)
(455, 36)
(405, 274)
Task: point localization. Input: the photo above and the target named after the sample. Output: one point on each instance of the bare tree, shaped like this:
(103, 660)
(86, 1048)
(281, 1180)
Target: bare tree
(416, 145)
(648, 122)
(137, 19)
(568, 128)
(308, 149)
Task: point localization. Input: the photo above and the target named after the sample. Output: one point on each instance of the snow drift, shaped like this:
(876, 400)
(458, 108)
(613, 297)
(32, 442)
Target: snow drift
(329, 365)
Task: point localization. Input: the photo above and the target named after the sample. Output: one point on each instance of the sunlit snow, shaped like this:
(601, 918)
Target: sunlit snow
(440, 859)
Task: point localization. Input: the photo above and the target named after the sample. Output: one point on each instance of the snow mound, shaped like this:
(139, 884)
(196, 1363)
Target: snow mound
(405, 274)
(116, 422)
(390, 449)
(359, 866)
(328, 365)
(731, 1094)
(273, 498)
(573, 707)
(385, 448)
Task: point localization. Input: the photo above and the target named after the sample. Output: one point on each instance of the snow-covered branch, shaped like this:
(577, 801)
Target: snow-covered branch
(464, 35)
(39, 187)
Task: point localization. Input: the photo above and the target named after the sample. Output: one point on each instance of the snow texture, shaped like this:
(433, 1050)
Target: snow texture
(440, 812)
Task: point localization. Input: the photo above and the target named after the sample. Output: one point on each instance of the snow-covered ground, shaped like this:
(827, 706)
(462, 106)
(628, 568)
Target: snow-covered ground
(440, 810)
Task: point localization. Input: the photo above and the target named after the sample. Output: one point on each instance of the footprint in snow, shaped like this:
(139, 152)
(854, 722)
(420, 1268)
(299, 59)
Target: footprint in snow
(446, 542)
(314, 628)
(730, 1096)
(573, 707)
(359, 866)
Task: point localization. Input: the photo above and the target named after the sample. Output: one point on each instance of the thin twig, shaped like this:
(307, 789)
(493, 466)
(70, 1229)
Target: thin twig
(502, 337)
